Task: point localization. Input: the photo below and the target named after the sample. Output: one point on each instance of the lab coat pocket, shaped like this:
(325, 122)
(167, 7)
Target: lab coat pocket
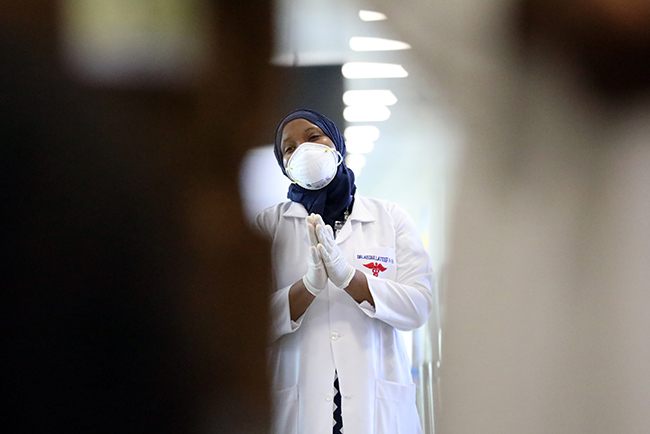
(378, 261)
(285, 411)
(395, 409)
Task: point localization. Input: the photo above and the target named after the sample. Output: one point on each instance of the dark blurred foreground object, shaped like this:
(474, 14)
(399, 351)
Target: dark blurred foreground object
(609, 39)
(87, 336)
(133, 296)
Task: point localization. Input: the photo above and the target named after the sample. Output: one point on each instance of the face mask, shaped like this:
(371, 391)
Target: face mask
(313, 166)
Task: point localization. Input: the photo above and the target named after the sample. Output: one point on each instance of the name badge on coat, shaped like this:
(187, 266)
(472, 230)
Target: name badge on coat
(376, 261)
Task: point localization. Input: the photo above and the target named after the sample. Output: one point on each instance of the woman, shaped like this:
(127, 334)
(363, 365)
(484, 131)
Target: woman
(350, 271)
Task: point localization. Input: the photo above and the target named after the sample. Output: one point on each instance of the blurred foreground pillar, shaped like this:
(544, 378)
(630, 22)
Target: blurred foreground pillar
(137, 299)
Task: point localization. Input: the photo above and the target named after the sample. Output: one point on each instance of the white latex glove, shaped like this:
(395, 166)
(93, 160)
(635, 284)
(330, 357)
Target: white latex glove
(312, 221)
(315, 279)
(338, 270)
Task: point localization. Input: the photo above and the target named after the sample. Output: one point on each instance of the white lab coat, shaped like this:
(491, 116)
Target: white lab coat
(362, 343)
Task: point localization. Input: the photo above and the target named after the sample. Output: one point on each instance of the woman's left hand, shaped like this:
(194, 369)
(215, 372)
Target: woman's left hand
(338, 270)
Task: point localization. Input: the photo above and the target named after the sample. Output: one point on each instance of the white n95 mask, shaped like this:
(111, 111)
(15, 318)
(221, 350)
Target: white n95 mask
(313, 166)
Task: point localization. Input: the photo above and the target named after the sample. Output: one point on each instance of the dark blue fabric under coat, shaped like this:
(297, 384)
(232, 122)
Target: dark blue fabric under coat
(331, 200)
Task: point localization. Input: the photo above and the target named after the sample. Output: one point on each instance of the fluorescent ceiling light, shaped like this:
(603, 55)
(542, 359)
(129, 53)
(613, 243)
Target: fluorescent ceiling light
(359, 146)
(366, 113)
(362, 132)
(373, 70)
(355, 162)
(359, 43)
(371, 16)
(369, 97)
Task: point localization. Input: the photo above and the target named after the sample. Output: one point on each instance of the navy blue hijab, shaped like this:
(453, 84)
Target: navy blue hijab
(331, 200)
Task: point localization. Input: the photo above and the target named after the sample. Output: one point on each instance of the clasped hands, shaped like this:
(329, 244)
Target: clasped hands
(325, 260)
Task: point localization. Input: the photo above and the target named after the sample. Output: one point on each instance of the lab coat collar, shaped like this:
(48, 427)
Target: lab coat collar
(360, 212)
(296, 210)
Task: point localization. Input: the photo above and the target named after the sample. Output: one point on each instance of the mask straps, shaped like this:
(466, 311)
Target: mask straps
(340, 157)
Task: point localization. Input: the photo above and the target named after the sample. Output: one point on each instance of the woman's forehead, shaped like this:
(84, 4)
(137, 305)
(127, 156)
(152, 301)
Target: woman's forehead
(298, 126)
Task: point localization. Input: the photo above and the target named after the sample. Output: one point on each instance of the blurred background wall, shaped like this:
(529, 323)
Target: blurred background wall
(545, 326)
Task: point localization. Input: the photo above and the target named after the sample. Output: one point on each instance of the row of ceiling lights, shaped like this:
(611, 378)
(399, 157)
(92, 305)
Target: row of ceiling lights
(368, 105)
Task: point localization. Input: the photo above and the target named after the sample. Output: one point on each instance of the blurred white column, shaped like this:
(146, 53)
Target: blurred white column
(546, 326)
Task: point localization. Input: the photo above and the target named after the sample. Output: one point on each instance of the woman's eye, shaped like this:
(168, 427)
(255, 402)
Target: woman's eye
(314, 137)
(288, 150)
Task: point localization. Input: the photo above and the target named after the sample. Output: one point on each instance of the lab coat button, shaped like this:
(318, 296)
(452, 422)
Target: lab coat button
(335, 336)
(347, 397)
(329, 397)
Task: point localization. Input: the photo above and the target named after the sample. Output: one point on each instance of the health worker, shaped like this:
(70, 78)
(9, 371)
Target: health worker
(350, 271)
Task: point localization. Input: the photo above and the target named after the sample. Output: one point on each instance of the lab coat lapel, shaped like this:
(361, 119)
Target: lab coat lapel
(360, 214)
(297, 212)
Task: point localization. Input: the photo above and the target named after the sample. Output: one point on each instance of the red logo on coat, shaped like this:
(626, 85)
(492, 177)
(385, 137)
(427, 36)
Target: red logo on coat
(376, 268)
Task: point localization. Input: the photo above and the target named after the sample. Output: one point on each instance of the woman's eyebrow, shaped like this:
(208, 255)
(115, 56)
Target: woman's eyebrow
(288, 139)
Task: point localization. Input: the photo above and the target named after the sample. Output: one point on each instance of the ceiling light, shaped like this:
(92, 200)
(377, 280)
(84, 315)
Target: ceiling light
(373, 70)
(362, 132)
(366, 113)
(359, 146)
(371, 16)
(359, 43)
(369, 97)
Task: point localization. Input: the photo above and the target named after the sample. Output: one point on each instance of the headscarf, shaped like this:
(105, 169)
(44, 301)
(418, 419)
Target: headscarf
(331, 200)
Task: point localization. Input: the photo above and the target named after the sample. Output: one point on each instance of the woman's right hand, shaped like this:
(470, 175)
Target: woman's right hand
(315, 279)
